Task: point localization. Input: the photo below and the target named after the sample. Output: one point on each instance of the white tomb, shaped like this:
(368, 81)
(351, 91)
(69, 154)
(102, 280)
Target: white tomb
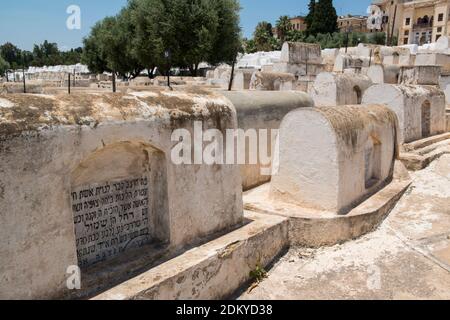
(420, 109)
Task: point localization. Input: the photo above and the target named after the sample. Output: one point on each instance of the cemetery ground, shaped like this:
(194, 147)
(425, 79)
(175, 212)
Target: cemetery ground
(407, 257)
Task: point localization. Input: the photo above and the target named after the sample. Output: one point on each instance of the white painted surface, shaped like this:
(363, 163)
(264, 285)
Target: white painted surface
(84, 139)
(406, 101)
(322, 164)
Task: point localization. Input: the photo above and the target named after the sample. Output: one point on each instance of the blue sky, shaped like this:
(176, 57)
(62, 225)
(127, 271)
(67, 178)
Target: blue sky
(25, 22)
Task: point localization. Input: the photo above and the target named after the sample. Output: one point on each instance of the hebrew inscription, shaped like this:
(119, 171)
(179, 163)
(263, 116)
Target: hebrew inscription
(110, 218)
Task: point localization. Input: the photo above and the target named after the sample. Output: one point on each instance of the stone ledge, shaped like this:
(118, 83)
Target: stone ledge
(214, 270)
(419, 154)
(422, 143)
(313, 228)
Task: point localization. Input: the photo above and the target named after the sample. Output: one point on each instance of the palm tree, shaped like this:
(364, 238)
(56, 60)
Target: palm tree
(283, 26)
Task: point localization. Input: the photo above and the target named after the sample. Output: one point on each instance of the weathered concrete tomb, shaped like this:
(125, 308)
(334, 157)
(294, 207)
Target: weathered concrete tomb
(87, 180)
(337, 175)
(337, 156)
(242, 79)
(380, 74)
(420, 75)
(433, 59)
(336, 89)
(348, 61)
(265, 110)
(300, 59)
(420, 109)
(272, 81)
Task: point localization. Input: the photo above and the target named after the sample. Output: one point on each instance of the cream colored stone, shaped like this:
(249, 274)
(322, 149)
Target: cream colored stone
(420, 109)
(331, 158)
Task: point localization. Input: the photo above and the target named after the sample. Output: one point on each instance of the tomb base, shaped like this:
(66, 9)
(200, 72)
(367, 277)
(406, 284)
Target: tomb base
(447, 117)
(214, 270)
(419, 154)
(314, 228)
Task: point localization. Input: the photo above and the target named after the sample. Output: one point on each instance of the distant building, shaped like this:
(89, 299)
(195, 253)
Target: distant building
(352, 23)
(297, 23)
(424, 21)
(411, 21)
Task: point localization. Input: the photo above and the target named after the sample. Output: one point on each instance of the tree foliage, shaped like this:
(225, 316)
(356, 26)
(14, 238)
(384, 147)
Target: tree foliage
(323, 18)
(310, 17)
(283, 26)
(334, 40)
(110, 46)
(263, 37)
(45, 54)
(11, 54)
(4, 66)
(190, 32)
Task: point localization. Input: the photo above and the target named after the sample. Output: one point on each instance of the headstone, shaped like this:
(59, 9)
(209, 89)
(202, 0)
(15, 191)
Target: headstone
(335, 89)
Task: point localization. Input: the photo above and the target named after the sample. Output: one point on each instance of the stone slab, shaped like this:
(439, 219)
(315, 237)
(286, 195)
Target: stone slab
(214, 270)
(419, 154)
(313, 228)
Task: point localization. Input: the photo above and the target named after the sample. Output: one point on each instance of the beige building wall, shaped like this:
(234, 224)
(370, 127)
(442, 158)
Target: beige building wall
(297, 23)
(416, 21)
(424, 21)
(393, 11)
(357, 23)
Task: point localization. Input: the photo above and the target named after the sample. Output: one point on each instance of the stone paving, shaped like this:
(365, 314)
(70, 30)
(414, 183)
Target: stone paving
(407, 257)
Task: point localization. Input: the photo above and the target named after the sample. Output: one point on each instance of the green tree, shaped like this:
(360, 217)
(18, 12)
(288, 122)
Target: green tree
(263, 37)
(295, 36)
(377, 38)
(197, 34)
(283, 27)
(93, 55)
(109, 47)
(11, 54)
(324, 18)
(116, 42)
(228, 41)
(72, 56)
(310, 17)
(149, 45)
(249, 46)
(4, 66)
(192, 31)
(46, 54)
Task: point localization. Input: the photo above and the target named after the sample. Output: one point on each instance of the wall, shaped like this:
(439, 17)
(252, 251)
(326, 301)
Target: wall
(52, 145)
(330, 89)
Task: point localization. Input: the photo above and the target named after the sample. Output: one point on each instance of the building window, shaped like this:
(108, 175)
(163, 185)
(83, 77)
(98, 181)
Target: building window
(441, 17)
(406, 32)
(439, 29)
(408, 21)
(438, 36)
(405, 41)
